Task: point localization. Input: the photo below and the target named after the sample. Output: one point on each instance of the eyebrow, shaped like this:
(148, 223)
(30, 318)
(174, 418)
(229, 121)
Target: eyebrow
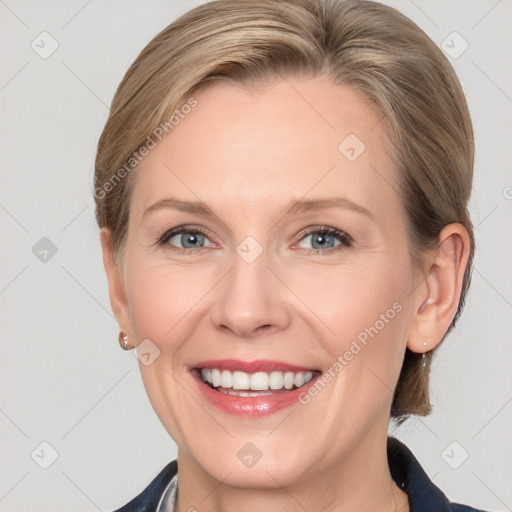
(298, 206)
(295, 206)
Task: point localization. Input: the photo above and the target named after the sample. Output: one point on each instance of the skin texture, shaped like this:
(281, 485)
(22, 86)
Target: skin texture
(247, 154)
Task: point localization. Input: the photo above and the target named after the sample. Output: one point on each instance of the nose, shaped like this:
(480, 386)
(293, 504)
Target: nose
(251, 300)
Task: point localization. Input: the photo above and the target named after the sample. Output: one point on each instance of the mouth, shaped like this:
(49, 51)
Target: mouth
(252, 389)
(244, 384)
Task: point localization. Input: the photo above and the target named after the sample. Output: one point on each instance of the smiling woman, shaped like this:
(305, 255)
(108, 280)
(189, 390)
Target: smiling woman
(298, 246)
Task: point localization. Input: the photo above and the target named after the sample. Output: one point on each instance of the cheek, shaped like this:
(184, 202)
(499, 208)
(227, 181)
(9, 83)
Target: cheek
(366, 310)
(349, 300)
(161, 300)
(364, 306)
(161, 297)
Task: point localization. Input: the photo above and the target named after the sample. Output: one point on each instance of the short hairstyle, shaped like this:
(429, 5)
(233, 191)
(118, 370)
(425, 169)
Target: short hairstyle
(367, 46)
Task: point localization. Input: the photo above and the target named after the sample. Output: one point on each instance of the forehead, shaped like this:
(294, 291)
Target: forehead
(244, 148)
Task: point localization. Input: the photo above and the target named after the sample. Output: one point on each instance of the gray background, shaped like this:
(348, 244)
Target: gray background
(64, 379)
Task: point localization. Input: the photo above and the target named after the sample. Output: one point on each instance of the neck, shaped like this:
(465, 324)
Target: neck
(358, 481)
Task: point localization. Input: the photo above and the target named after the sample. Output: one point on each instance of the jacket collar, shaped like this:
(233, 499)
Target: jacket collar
(406, 471)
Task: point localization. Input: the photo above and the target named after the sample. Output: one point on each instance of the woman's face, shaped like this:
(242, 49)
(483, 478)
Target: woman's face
(249, 182)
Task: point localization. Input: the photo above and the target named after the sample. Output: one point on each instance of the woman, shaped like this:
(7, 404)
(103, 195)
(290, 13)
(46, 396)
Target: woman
(282, 193)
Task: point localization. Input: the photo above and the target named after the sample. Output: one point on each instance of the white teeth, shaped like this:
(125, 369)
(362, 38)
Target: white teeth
(299, 379)
(241, 380)
(289, 377)
(226, 379)
(206, 375)
(276, 380)
(215, 378)
(259, 381)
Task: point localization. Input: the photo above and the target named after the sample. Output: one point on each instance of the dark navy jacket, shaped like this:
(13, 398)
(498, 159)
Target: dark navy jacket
(406, 471)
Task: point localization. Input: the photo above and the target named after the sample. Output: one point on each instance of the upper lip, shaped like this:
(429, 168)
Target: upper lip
(258, 365)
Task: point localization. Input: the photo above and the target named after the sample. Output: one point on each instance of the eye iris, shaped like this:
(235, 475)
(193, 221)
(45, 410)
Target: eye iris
(190, 240)
(323, 240)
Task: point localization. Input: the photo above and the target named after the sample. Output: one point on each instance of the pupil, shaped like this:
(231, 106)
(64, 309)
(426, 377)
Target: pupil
(191, 239)
(322, 240)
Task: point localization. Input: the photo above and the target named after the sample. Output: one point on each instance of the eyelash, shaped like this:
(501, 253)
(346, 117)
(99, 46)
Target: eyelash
(344, 239)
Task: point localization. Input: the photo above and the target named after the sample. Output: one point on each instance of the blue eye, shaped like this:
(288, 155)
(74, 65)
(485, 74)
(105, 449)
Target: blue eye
(184, 240)
(326, 239)
(187, 240)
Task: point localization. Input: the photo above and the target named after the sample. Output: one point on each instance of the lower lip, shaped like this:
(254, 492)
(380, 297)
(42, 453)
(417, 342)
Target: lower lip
(251, 407)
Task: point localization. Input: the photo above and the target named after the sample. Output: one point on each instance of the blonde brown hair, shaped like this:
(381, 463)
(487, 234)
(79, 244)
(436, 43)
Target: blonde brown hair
(363, 44)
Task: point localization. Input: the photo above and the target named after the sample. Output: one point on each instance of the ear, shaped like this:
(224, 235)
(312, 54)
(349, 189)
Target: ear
(437, 297)
(116, 288)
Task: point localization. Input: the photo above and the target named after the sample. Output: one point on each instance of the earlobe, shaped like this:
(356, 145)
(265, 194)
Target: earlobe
(116, 287)
(439, 296)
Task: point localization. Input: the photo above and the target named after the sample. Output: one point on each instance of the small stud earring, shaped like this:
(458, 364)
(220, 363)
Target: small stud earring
(123, 341)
